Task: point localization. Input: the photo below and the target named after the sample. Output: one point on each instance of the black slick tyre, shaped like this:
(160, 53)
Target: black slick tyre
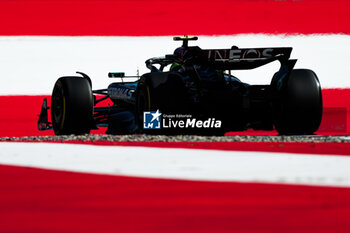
(143, 103)
(297, 109)
(72, 106)
(160, 91)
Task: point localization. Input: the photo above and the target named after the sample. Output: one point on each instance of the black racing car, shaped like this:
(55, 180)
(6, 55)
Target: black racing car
(196, 95)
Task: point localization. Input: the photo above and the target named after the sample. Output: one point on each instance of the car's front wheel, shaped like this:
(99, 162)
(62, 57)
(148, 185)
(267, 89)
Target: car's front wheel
(72, 106)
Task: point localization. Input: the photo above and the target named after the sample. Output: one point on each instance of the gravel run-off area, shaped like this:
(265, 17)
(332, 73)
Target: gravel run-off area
(183, 138)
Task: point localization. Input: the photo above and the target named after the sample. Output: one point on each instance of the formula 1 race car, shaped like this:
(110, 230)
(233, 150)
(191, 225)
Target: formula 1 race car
(196, 95)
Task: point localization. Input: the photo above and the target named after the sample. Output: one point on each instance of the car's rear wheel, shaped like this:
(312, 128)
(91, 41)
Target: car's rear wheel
(163, 92)
(143, 103)
(297, 108)
(72, 106)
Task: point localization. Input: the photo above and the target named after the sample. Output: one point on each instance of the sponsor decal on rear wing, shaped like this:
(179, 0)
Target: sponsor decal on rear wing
(243, 58)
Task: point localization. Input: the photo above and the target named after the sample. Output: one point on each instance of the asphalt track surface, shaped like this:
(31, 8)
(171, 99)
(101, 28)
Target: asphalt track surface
(42, 198)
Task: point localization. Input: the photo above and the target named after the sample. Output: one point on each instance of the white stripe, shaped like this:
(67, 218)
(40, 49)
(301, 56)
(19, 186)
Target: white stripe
(182, 163)
(31, 65)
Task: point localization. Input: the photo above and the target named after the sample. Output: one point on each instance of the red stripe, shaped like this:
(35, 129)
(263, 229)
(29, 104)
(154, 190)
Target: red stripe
(37, 200)
(20, 114)
(155, 17)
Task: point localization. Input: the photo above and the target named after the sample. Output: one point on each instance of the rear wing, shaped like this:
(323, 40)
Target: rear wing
(242, 58)
(229, 59)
